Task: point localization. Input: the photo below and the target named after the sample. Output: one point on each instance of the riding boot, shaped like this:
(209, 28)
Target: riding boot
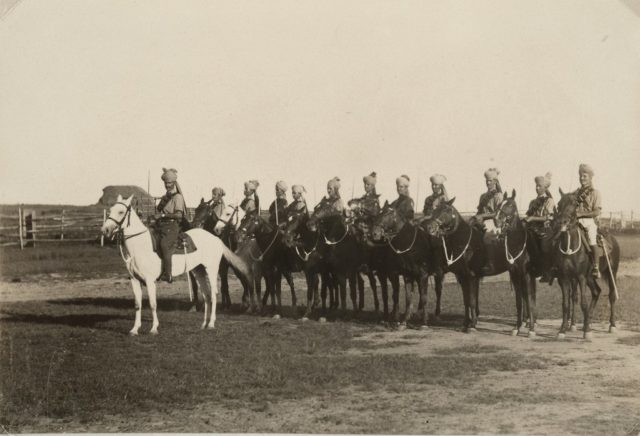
(594, 259)
(166, 270)
(489, 267)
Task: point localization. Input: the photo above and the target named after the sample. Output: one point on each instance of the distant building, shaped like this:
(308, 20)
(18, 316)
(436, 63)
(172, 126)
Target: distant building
(142, 202)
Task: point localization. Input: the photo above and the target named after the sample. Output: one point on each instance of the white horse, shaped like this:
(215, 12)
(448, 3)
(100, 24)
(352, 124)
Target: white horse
(144, 265)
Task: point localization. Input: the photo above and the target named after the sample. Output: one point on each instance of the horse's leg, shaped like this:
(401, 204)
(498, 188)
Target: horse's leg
(565, 286)
(353, 290)
(530, 287)
(517, 285)
(310, 294)
(294, 300)
(574, 303)
(224, 285)
(207, 274)
(438, 278)
(586, 326)
(276, 293)
(194, 293)
(423, 288)
(360, 287)
(409, 285)
(384, 294)
(464, 286)
(394, 278)
(474, 293)
(342, 286)
(153, 303)
(137, 296)
(374, 289)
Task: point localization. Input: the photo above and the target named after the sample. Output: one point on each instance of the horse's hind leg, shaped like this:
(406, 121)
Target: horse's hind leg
(151, 289)
(212, 285)
(353, 290)
(374, 289)
(294, 300)
(137, 295)
(517, 284)
(194, 293)
(574, 303)
(612, 303)
(438, 278)
(224, 285)
(586, 326)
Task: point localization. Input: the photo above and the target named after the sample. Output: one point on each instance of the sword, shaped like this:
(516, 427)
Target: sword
(606, 256)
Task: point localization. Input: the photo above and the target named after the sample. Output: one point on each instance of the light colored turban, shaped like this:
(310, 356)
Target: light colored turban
(492, 174)
(251, 185)
(281, 185)
(403, 179)
(371, 178)
(334, 183)
(585, 168)
(298, 188)
(438, 179)
(544, 181)
(169, 175)
(219, 191)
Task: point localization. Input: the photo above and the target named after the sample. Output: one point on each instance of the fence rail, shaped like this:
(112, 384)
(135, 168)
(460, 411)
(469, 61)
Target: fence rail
(30, 226)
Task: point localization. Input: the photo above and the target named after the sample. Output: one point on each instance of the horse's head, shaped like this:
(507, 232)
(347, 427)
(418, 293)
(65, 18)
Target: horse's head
(230, 216)
(567, 212)
(292, 228)
(202, 213)
(387, 224)
(507, 215)
(444, 219)
(320, 217)
(249, 228)
(355, 207)
(118, 216)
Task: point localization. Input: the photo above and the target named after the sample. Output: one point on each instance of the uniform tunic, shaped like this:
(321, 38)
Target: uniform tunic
(489, 202)
(589, 201)
(297, 207)
(540, 207)
(404, 206)
(218, 207)
(282, 210)
(169, 227)
(335, 205)
(370, 205)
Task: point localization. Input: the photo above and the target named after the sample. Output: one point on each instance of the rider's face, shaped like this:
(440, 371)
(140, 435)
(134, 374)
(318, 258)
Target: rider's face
(540, 189)
(331, 191)
(585, 179)
(402, 188)
(169, 185)
(437, 189)
(296, 195)
(491, 185)
(368, 187)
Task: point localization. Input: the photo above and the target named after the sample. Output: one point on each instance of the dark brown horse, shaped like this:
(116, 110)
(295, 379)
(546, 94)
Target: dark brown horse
(519, 251)
(408, 253)
(574, 266)
(275, 257)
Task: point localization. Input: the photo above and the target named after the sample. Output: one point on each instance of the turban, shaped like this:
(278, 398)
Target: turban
(218, 191)
(492, 174)
(281, 185)
(298, 188)
(403, 179)
(169, 175)
(251, 185)
(544, 181)
(370, 179)
(438, 179)
(334, 183)
(585, 168)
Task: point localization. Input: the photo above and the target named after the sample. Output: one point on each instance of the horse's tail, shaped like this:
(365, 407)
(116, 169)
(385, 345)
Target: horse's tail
(615, 254)
(239, 266)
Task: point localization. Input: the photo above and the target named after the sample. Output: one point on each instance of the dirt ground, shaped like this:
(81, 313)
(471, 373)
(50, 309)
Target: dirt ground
(589, 388)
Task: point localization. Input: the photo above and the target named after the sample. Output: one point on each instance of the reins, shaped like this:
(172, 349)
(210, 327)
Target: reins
(328, 242)
(569, 251)
(415, 236)
(451, 260)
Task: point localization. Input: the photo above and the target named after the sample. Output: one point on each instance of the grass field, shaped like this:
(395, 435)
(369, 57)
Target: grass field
(67, 365)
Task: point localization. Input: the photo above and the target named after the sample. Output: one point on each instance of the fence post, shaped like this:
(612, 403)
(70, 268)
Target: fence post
(62, 225)
(33, 227)
(20, 227)
(104, 220)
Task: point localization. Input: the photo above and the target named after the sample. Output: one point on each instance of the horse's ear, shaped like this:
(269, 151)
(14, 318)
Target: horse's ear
(386, 204)
(561, 193)
(450, 202)
(128, 200)
(119, 198)
(505, 196)
(513, 194)
(201, 200)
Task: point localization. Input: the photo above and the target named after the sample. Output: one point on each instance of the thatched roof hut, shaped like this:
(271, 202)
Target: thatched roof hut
(144, 203)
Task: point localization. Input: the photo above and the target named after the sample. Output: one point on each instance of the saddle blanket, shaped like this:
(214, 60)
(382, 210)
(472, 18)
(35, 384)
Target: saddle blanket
(183, 240)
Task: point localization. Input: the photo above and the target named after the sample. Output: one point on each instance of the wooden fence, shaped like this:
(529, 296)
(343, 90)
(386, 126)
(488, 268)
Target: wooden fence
(28, 226)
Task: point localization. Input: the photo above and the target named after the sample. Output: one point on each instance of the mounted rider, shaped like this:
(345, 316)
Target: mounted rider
(538, 217)
(488, 207)
(332, 201)
(588, 211)
(251, 202)
(403, 204)
(438, 196)
(369, 203)
(217, 202)
(278, 208)
(172, 212)
(298, 205)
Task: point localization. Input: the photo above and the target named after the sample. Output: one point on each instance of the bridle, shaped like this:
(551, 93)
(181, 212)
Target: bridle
(505, 227)
(444, 232)
(120, 228)
(275, 236)
(569, 251)
(389, 237)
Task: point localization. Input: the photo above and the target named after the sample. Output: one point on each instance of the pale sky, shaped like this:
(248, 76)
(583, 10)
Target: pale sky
(96, 93)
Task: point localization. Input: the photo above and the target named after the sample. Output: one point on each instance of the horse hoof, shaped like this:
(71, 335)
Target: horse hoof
(573, 328)
(402, 326)
(193, 309)
(588, 336)
(304, 319)
(514, 332)
(133, 333)
(561, 335)
(322, 319)
(472, 330)
(613, 329)
(532, 334)
(424, 327)
(153, 332)
(276, 316)
(211, 327)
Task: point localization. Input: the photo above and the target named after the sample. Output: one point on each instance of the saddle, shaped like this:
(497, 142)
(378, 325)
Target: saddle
(602, 235)
(183, 240)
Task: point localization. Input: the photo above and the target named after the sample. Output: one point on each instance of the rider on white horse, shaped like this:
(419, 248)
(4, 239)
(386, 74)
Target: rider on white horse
(172, 211)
